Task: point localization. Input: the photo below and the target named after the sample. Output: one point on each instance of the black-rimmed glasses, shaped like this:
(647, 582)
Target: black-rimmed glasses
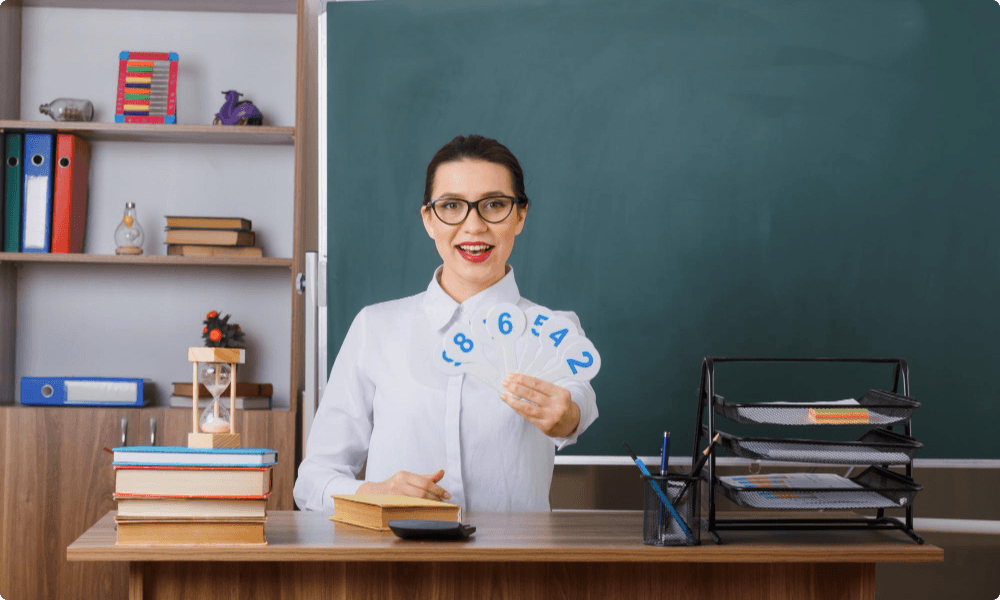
(453, 211)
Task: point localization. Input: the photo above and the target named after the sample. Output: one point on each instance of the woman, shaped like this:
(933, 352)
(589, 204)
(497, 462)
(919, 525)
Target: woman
(424, 433)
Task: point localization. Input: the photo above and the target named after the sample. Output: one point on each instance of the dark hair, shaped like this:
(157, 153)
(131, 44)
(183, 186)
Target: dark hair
(477, 147)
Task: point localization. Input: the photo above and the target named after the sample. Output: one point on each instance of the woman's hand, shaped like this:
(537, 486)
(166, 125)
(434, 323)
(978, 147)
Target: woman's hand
(556, 415)
(404, 483)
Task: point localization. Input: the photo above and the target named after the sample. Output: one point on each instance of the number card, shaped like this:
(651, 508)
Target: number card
(487, 347)
(463, 354)
(534, 317)
(480, 332)
(578, 360)
(505, 322)
(551, 336)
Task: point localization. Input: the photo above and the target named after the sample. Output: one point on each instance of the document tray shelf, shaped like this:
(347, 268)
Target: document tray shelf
(879, 488)
(876, 447)
(884, 408)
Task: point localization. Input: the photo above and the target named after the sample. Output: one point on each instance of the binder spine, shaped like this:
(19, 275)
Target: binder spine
(37, 215)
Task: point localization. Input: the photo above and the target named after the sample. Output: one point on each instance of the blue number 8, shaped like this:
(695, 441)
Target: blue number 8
(505, 325)
(573, 364)
(462, 342)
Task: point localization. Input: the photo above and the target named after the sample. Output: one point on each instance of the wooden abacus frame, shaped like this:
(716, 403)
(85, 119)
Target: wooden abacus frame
(232, 356)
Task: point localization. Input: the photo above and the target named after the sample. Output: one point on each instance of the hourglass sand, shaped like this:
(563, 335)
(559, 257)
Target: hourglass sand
(215, 368)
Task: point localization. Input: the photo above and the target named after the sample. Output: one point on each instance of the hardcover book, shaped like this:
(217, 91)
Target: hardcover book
(374, 511)
(210, 237)
(174, 456)
(225, 532)
(165, 508)
(197, 482)
(208, 222)
(185, 388)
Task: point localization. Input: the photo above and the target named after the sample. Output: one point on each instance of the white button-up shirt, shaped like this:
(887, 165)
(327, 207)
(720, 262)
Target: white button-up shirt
(387, 401)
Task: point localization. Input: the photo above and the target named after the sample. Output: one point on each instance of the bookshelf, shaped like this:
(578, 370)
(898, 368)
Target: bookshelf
(68, 314)
(276, 207)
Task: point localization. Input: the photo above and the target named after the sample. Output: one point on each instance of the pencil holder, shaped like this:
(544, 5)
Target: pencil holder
(677, 523)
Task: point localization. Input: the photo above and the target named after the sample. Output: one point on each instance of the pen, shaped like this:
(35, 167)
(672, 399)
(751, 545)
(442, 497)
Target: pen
(659, 492)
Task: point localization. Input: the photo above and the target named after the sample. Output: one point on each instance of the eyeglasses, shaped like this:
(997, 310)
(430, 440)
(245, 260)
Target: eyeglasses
(453, 211)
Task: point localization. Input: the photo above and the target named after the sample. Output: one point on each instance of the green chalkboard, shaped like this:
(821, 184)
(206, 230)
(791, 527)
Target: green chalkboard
(729, 178)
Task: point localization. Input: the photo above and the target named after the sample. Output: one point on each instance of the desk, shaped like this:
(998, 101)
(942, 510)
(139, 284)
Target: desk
(571, 554)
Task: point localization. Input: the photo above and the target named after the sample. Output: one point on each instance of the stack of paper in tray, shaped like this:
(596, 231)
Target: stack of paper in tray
(179, 495)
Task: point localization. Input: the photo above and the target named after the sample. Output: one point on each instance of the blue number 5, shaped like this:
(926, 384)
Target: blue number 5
(573, 364)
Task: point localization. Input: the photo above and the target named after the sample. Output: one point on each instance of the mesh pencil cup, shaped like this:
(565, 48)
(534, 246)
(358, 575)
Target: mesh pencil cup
(660, 525)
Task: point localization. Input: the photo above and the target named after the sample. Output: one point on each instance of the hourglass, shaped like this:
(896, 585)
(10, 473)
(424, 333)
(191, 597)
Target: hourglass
(214, 368)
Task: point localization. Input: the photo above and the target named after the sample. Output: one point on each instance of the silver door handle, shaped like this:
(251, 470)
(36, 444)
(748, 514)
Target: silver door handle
(152, 431)
(124, 430)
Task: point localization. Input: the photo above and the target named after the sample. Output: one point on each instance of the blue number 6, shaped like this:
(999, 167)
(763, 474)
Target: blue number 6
(505, 325)
(573, 364)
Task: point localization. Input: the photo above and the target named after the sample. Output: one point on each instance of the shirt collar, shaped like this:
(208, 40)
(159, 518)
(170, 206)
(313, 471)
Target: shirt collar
(441, 308)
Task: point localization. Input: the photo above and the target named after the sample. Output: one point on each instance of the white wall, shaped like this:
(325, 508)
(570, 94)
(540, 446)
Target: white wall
(125, 321)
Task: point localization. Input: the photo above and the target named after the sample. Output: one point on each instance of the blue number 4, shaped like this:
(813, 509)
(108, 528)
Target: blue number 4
(558, 336)
(573, 364)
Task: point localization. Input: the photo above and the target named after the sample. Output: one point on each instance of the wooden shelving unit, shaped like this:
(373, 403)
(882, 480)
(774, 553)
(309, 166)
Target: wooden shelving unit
(84, 477)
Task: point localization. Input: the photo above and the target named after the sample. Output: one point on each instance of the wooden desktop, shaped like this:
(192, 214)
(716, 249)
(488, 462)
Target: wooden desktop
(561, 554)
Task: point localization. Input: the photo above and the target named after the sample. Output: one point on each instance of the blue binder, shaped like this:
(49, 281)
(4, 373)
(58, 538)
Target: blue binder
(83, 391)
(36, 230)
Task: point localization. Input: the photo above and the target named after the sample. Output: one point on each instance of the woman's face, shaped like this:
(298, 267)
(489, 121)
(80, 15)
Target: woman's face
(474, 252)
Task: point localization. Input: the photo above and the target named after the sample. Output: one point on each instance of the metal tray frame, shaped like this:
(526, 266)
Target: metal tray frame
(713, 524)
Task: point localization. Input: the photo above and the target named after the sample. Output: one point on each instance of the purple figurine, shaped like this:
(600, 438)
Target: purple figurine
(236, 112)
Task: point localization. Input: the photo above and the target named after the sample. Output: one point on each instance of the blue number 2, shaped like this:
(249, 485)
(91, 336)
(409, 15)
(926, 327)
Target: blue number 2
(573, 364)
(558, 336)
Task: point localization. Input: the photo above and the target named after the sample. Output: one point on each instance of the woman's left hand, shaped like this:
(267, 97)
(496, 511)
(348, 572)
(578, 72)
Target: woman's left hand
(556, 415)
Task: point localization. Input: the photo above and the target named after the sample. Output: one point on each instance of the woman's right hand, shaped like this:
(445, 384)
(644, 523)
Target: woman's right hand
(404, 483)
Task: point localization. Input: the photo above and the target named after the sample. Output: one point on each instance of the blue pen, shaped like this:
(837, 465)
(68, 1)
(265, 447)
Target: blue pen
(659, 492)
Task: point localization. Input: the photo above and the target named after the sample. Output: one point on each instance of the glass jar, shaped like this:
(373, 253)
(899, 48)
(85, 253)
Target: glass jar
(129, 235)
(68, 109)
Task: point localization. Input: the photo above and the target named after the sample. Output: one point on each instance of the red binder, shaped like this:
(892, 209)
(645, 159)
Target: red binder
(69, 194)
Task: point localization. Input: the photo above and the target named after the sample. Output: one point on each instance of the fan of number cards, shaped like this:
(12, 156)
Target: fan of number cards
(489, 348)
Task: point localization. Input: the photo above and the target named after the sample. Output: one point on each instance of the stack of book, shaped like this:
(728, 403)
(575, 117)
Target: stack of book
(249, 396)
(211, 236)
(179, 495)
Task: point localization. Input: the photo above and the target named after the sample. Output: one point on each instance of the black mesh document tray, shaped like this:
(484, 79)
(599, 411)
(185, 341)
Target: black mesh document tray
(875, 487)
(878, 446)
(884, 408)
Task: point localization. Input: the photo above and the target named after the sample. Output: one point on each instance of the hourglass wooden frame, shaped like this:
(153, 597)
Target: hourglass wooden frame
(232, 356)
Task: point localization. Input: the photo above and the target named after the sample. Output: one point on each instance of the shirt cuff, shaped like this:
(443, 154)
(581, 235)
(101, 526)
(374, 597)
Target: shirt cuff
(338, 486)
(586, 418)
